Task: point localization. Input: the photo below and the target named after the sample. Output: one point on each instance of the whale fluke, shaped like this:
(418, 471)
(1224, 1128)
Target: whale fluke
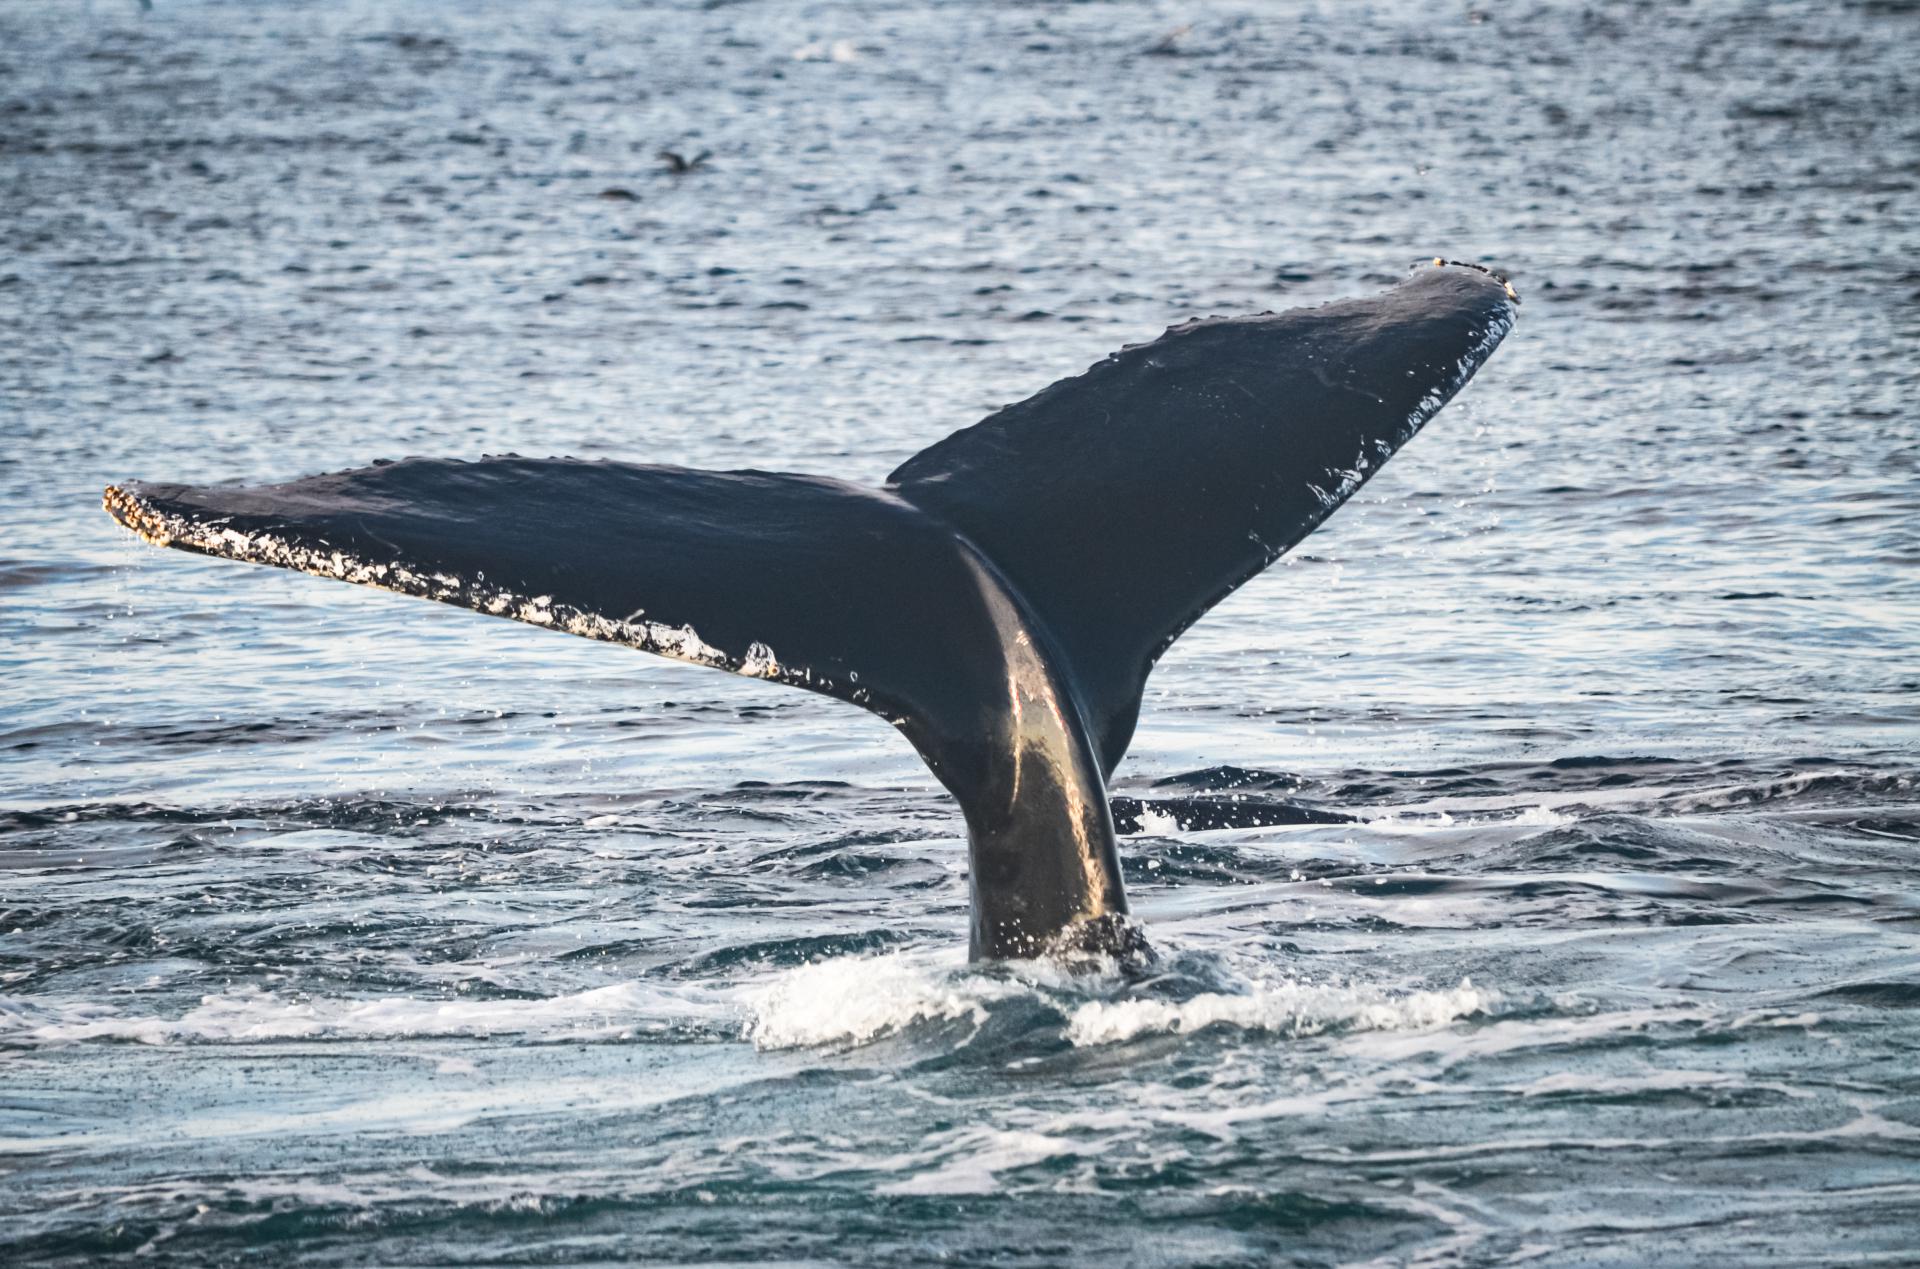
(1126, 502)
(1001, 600)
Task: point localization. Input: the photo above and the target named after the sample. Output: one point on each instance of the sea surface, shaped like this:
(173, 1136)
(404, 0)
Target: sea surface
(338, 928)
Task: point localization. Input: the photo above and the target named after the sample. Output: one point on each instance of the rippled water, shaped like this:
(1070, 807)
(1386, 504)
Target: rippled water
(346, 928)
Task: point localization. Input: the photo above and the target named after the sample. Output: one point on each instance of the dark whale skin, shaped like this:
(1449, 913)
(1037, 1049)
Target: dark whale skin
(1001, 600)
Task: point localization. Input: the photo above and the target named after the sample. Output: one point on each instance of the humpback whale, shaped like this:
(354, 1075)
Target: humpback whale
(1001, 599)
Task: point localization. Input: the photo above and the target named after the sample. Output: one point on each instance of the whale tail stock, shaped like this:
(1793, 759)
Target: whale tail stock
(1001, 600)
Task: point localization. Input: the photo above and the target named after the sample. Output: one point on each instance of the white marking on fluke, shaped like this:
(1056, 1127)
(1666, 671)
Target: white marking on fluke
(682, 643)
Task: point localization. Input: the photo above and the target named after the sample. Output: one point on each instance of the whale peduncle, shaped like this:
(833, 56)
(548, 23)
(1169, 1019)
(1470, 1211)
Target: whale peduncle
(1045, 864)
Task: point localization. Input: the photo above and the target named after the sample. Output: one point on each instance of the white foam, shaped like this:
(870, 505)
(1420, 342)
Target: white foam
(855, 999)
(822, 51)
(1439, 821)
(1404, 822)
(850, 1000)
(970, 1159)
(1588, 1084)
(610, 1012)
(1287, 1008)
(1159, 823)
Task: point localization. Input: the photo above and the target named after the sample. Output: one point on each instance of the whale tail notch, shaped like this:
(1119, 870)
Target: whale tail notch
(1001, 600)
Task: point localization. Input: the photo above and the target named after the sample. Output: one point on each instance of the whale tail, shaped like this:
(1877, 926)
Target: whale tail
(1001, 600)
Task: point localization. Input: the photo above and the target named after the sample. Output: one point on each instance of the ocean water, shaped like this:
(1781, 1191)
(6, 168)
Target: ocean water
(337, 928)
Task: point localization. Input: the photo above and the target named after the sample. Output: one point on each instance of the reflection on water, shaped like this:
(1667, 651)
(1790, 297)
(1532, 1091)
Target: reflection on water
(344, 928)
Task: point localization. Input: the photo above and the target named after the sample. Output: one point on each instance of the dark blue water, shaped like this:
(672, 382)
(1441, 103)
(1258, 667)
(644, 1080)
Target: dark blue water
(342, 928)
